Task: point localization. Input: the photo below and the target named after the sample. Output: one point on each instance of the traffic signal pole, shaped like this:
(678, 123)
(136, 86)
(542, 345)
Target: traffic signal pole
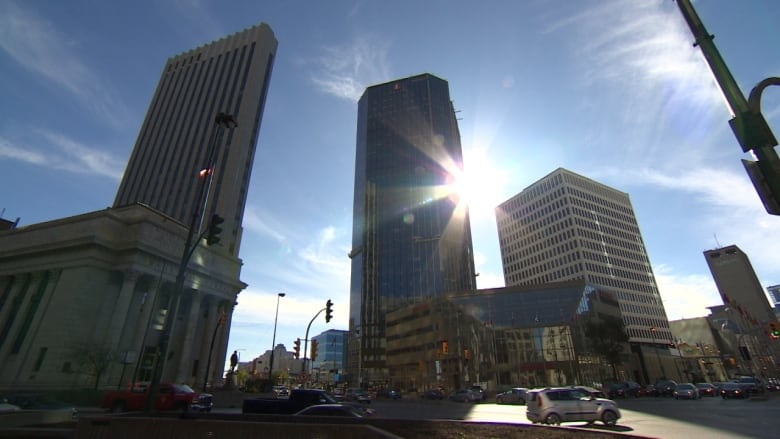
(328, 315)
(223, 121)
(748, 124)
(306, 340)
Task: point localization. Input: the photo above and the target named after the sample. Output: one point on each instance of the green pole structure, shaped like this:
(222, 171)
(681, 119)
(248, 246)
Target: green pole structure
(748, 124)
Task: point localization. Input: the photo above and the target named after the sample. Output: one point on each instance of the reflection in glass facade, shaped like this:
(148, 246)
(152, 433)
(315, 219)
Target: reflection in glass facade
(411, 239)
(566, 226)
(331, 356)
(515, 336)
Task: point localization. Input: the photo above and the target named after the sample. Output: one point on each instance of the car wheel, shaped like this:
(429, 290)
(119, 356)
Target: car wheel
(552, 419)
(499, 400)
(609, 418)
(118, 407)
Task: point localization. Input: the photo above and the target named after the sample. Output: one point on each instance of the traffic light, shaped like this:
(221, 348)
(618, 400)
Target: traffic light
(214, 229)
(466, 354)
(313, 350)
(328, 311)
(297, 348)
(445, 347)
(774, 330)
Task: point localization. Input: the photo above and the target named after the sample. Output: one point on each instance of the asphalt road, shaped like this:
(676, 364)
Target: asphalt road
(649, 417)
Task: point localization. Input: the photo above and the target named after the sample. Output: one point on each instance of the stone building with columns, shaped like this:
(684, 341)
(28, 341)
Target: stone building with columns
(82, 300)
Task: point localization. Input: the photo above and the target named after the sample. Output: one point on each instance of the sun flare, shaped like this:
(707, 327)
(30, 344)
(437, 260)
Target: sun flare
(479, 186)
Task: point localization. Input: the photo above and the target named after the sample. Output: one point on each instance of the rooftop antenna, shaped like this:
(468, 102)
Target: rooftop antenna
(716, 240)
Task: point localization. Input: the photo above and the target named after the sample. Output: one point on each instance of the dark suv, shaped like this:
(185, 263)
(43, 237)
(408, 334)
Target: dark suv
(665, 387)
(622, 389)
(480, 392)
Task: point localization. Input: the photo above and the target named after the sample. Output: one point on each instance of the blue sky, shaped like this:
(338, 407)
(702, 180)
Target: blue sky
(611, 89)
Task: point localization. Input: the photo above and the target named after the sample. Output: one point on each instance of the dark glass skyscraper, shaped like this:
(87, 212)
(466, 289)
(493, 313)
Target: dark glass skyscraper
(411, 240)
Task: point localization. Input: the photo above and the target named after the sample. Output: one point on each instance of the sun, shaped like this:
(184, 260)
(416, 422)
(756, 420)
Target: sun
(479, 186)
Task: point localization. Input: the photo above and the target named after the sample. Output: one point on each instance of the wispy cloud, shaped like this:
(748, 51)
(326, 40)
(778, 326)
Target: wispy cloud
(310, 261)
(644, 45)
(38, 46)
(313, 268)
(346, 70)
(714, 187)
(65, 154)
(685, 296)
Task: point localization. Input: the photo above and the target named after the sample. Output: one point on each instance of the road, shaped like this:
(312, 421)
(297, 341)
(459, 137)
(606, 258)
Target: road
(649, 417)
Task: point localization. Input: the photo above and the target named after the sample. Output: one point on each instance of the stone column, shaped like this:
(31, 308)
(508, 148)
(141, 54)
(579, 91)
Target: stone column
(7, 359)
(191, 326)
(121, 307)
(220, 345)
(40, 315)
(204, 341)
(15, 285)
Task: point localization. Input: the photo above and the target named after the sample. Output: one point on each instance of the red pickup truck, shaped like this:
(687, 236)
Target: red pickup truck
(169, 397)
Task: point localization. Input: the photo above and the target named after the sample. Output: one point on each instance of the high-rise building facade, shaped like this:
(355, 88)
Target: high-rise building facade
(100, 285)
(739, 286)
(411, 240)
(230, 75)
(566, 226)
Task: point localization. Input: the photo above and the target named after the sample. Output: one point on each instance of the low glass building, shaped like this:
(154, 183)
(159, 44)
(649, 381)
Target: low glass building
(530, 335)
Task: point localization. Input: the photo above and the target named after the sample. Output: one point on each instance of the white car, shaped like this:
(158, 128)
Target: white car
(554, 405)
(6, 407)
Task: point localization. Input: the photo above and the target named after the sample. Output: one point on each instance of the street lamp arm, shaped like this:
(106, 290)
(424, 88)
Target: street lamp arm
(754, 100)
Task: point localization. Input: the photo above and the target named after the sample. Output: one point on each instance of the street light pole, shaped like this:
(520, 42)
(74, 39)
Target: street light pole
(273, 340)
(222, 120)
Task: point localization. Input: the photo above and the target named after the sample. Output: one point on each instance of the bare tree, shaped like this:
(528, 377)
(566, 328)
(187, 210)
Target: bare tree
(92, 359)
(607, 337)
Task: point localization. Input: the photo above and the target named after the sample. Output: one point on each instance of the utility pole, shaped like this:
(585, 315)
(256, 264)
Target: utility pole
(748, 124)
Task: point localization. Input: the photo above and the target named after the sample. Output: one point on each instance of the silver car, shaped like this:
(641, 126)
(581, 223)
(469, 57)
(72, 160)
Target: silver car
(565, 404)
(686, 391)
(515, 395)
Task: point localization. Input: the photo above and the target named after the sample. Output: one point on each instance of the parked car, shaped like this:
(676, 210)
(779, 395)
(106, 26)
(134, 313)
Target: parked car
(665, 387)
(298, 400)
(464, 395)
(566, 404)
(358, 395)
(622, 389)
(648, 390)
(338, 394)
(596, 393)
(686, 391)
(732, 390)
(6, 407)
(170, 396)
(515, 395)
(339, 410)
(479, 392)
(750, 385)
(388, 393)
(432, 394)
(39, 401)
(281, 391)
(706, 389)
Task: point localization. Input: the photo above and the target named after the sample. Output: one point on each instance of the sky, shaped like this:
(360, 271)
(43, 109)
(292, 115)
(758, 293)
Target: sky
(611, 89)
